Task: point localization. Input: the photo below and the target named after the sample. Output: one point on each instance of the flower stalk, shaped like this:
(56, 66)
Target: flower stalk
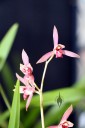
(41, 109)
(44, 72)
(41, 91)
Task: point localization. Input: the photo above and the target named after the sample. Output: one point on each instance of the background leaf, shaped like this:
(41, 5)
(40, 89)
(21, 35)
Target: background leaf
(3, 117)
(6, 44)
(8, 80)
(71, 95)
(4, 97)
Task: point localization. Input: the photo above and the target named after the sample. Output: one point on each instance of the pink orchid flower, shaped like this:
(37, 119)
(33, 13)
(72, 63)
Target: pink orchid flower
(64, 123)
(26, 67)
(28, 80)
(28, 89)
(27, 92)
(57, 50)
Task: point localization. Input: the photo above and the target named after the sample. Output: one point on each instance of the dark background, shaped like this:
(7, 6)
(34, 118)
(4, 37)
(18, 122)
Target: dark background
(36, 20)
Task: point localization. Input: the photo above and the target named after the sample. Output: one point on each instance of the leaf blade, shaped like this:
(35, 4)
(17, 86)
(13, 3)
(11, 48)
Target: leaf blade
(15, 110)
(6, 44)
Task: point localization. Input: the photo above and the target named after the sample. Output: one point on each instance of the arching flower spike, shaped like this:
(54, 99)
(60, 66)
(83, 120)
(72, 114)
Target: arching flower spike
(57, 50)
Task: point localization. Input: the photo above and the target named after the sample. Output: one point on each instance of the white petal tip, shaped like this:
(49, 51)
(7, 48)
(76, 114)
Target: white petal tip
(37, 62)
(23, 50)
(78, 56)
(54, 27)
(71, 107)
(17, 75)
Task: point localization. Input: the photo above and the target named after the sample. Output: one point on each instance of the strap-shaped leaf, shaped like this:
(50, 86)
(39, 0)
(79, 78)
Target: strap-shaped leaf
(72, 94)
(4, 97)
(6, 44)
(15, 110)
(8, 80)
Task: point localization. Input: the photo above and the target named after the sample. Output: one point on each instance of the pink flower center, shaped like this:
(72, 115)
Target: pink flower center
(25, 96)
(59, 51)
(28, 71)
(58, 48)
(65, 125)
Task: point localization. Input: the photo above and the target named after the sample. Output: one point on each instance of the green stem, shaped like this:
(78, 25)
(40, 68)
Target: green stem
(41, 90)
(43, 77)
(42, 112)
(36, 87)
(44, 72)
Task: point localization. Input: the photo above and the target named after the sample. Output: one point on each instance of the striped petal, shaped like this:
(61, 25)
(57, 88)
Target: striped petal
(71, 54)
(45, 57)
(55, 37)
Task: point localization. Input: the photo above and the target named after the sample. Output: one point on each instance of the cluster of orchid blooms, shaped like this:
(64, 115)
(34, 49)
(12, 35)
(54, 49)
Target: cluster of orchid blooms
(30, 86)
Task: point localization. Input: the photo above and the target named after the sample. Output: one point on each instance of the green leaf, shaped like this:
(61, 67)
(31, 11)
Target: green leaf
(3, 117)
(8, 80)
(80, 83)
(30, 117)
(71, 95)
(4, 97)
(6, 44)
(15, 110)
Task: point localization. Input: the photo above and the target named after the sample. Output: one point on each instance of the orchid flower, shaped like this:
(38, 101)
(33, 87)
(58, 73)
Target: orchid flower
(27, 92)
(28, 89)
(64, 123)
(57, 50)
(26, 67)
(28, 80)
